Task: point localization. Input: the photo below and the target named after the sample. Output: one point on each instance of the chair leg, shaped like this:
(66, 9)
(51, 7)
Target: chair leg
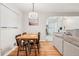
(18, 51)
(26, 50)
(34, 48)
(35, 52)
(38, 45)
(30, 49)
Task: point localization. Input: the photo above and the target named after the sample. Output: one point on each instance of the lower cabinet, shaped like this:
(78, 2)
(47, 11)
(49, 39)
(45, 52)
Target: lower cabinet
(64, 47)
(0, 52)
(70, 49)
(58, 43)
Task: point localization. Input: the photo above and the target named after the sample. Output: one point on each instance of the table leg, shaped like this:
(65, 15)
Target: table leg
(35, 49)
(28, 47)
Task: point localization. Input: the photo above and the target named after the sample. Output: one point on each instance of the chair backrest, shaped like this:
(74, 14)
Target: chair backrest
(18, 41)
(38, 37)
(24, 33)
(17, 35)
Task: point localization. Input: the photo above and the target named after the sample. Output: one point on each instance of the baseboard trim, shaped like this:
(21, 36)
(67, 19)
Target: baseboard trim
(10, 51)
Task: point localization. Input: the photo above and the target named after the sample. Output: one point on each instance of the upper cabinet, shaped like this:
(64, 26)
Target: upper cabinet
(71, 22)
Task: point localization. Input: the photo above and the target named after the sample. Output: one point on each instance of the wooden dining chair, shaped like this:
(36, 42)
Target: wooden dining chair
(21, 45)
(36, 43)
(24, 33)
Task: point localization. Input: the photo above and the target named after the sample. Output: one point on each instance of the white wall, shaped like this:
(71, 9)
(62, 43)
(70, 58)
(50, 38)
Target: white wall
(14, 10)
(9, 17)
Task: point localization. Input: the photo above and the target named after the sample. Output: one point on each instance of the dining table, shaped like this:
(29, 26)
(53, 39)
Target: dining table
(28, 38)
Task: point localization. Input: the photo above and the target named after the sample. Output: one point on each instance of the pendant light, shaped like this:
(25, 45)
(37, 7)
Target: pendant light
(33, 15)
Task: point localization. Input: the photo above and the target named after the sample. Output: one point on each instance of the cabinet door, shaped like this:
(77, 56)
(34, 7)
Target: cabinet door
(54, 40)
(58, 43)
(70, 49)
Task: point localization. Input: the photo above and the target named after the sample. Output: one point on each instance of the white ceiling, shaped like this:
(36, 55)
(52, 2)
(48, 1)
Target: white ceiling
(48, 7)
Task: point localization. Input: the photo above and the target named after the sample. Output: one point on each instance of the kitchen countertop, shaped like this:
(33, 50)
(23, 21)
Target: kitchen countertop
(59, 34)
(68, 38)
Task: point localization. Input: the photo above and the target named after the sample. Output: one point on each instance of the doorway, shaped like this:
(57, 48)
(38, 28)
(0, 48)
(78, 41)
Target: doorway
(51, 27)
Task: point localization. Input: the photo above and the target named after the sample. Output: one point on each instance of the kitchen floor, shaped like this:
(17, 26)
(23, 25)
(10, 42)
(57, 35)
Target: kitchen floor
(46, 49)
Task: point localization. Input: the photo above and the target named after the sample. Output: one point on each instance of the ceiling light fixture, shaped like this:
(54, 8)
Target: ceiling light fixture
(33, 15)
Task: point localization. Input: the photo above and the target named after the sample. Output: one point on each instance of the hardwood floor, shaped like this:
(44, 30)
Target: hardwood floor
(46, 49)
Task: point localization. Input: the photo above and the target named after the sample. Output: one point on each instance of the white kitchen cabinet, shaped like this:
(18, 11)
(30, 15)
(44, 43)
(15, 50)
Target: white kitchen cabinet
(0, 52)
(70, 49)
(58, 43)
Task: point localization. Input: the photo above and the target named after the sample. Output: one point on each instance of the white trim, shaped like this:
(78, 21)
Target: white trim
(10, 51)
